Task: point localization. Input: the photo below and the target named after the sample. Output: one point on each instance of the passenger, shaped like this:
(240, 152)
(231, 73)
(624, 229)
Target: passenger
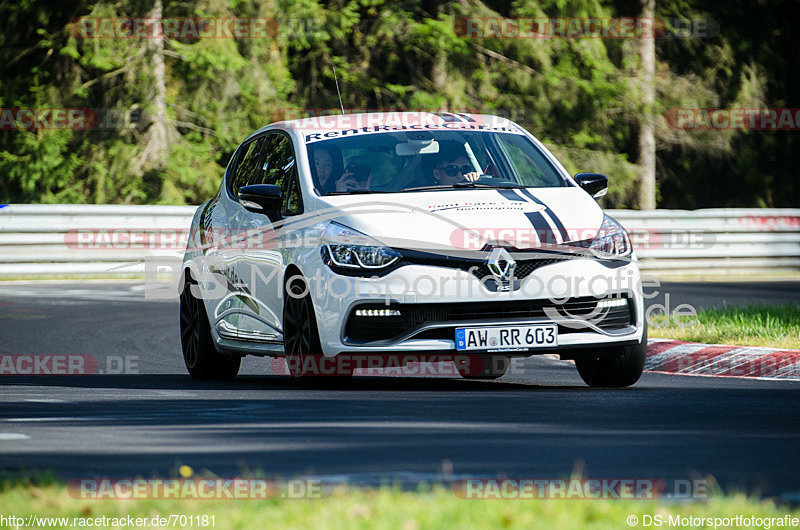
(328, 166)
(355, 177)
(331, 177)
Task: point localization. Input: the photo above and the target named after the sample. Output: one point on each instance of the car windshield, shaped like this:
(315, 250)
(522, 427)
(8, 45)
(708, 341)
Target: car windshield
(394, 162)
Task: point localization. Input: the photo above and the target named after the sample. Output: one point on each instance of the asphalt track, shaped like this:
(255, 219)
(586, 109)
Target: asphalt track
(540, 422)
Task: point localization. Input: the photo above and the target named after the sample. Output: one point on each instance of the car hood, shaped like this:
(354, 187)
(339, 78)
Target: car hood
(470, 219)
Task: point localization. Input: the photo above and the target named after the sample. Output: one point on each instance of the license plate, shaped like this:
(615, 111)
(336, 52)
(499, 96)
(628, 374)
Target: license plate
(507, 337)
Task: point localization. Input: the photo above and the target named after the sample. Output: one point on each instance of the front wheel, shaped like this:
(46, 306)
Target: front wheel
(615, 371)
(301, 339)
(200, 355)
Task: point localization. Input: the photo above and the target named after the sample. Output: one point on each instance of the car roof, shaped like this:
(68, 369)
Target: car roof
(333, 125)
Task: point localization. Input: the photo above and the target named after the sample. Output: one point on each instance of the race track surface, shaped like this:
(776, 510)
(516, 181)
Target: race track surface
(540, 422)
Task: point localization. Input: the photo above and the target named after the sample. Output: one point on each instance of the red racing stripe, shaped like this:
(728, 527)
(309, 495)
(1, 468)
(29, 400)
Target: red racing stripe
(696, 359)
(766, 365)
(658, 347)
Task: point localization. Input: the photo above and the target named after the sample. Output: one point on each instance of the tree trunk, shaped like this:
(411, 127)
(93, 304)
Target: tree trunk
(647, 139)
(438, 73)
(161, 132)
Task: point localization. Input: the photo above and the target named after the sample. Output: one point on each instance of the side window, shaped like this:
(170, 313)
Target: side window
(247, 166)
(531, 166)
(270, 160)
(240, 155)
(279, 162)
(292, 198)
(280, 169)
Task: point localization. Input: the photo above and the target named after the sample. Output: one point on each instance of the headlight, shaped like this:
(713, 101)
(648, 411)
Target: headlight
(348, 248)
(612, 240)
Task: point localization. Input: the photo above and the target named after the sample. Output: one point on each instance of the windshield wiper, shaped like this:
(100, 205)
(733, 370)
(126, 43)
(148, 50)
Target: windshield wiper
(434, 187)
(357, 192)
(474, 184)
(462, 185)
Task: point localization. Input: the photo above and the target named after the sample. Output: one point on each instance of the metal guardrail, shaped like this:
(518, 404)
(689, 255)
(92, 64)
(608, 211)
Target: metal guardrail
(109, 241)
(88, 240)
(718, 241)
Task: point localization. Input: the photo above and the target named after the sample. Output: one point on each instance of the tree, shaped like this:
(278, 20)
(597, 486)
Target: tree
(182, 105)
(647, 136)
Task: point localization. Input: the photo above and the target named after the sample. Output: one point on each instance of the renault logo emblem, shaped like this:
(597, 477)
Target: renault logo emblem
(502, 266)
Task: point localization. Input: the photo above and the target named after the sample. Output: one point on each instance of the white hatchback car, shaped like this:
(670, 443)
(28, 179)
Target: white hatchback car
(378, 239)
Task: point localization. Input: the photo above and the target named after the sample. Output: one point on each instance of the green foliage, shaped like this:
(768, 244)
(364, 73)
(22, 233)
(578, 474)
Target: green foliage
(621, 173)
(42, 166)
(580, 94)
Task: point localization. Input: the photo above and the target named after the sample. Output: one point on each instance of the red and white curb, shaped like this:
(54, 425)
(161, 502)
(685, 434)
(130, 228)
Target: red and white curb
(691, 358)
(663, 355)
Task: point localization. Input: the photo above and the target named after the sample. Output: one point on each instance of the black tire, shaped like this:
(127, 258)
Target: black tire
(615, 371)
(483, 366)
(200, 355)
(301, 338)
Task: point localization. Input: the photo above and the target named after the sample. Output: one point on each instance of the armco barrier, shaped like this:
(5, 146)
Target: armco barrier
(88, 240)
(91, 240)
(715, 241)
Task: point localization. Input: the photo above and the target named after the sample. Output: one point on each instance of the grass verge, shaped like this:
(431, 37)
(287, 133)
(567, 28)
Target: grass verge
(377, 508)
(775, 326)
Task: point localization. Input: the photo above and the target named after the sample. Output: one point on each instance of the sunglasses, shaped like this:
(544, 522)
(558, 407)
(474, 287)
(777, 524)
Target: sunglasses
(361, 172)
(451, 170)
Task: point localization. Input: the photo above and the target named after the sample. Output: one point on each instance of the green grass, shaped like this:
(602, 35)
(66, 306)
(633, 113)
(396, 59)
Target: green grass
(379, 508)
(755, 325)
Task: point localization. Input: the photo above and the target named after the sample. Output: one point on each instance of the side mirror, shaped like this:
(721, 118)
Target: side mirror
(261, 198)
(594, 184)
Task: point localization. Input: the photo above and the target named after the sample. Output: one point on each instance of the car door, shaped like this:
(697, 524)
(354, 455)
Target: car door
(233, 240)
(264, 256)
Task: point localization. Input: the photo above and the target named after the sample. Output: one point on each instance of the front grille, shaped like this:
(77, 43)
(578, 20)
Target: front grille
(521, 271)
(478, 267)
(414, 316)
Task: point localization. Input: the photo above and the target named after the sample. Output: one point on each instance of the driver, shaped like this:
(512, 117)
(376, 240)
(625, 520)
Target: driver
(452, 165)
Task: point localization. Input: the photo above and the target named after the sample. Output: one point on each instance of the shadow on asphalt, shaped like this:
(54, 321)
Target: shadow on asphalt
(275, 382)
(108, 425)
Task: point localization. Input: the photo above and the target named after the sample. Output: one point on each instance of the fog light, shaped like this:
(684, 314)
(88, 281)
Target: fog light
(613, 302)
(377, 313)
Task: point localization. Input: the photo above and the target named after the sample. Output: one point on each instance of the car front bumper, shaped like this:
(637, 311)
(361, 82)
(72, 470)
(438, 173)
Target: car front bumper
(447, 295)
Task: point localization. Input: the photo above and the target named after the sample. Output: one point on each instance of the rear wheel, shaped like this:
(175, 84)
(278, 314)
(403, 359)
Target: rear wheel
(200, 355)
(615, 371)
(483, 366)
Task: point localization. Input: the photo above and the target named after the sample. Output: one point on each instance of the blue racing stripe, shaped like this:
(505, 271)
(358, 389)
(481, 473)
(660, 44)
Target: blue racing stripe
(561, 229)
(543, 230)
(510, 195)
